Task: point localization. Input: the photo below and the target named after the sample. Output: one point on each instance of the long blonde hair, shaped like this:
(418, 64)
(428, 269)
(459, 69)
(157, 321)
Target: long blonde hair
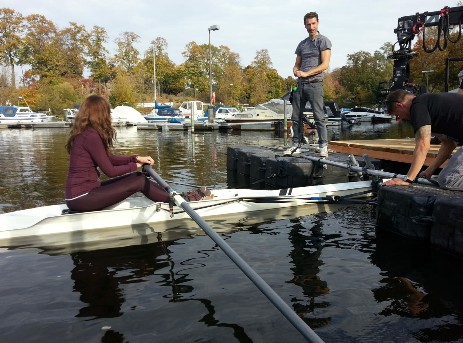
(94, 112)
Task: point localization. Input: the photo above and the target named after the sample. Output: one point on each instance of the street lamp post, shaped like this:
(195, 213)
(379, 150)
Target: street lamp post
(427, 72)
(211, 28)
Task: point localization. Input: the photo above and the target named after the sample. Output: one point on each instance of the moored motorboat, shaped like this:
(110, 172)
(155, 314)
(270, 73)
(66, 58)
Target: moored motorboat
(70, 114)
(258, 114)
(126, 116)
(364, 114)
(163, 115)
(224, 112)
(13, 115)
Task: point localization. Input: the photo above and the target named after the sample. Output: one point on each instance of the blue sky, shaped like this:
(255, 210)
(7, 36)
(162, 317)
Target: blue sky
(246, 26)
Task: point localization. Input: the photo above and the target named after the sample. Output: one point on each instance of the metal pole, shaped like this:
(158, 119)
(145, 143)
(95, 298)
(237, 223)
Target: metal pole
(447, 74)
(368, 171)
(192, 106)
(285, 123)
(154, 72)
(210, 68)
(232, 95)
(211, 28)
(274, 298)
(427, 72)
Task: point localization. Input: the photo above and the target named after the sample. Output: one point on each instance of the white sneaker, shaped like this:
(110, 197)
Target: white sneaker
(323, 151)
(293, 150)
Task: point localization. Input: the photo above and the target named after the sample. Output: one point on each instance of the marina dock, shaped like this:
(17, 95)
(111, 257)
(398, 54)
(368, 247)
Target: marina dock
(395, 150)
(42, 125)
(214, 126)
(419, 212)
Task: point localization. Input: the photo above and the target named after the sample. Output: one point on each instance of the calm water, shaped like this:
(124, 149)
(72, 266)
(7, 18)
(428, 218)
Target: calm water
(348, 282)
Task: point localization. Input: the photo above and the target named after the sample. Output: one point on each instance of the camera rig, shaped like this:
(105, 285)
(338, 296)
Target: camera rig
(446, 20)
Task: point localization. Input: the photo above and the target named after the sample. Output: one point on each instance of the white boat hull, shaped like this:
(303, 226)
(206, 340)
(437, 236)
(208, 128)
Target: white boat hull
(138, 216)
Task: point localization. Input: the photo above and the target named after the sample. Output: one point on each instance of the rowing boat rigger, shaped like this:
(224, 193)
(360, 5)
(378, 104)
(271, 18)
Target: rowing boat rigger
(52, 225)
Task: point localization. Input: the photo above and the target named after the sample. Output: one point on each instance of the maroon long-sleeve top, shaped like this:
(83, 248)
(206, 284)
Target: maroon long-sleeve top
(88, 153)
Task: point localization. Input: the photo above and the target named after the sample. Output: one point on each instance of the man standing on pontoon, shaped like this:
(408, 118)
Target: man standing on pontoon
(312, 59)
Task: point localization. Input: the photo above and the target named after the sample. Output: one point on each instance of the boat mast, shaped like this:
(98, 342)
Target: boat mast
(154, 71)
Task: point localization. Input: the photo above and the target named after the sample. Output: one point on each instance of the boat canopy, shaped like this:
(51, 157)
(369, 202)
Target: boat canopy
(8, 111)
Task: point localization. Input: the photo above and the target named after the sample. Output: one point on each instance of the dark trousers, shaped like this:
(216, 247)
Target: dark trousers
(117, 189)
(312, 93)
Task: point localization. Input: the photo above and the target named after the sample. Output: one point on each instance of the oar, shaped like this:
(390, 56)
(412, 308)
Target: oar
(368, 171)
(274, 298)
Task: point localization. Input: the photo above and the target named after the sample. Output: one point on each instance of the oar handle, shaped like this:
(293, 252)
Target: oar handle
(274, 298)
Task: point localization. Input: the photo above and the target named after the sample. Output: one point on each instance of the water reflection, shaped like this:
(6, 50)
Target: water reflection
(420, 282)
(99, 276)
(307, 245)
(102, 278)
(373, 131)
(31, 164)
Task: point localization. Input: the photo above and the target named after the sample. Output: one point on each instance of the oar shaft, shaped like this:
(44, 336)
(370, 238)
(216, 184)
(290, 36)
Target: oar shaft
(274, 298)
(368, 171)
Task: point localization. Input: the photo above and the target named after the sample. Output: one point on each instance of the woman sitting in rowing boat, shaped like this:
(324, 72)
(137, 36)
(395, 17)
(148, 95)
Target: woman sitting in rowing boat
(92, 135)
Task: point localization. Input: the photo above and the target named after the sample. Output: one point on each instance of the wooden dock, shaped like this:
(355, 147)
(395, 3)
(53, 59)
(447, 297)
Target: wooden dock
(396, 150)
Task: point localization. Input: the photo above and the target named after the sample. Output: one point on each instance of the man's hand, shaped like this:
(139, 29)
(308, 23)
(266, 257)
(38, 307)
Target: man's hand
(396, 182)
(427, 173)
(301, 73)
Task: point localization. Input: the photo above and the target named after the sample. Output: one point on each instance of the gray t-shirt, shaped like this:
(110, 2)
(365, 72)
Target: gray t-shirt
(310, 52)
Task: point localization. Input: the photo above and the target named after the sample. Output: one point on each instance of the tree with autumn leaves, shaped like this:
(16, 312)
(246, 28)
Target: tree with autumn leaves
(54, 61)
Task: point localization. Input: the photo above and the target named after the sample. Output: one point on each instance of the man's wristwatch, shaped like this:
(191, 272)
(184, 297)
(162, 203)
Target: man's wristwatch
(406, 179)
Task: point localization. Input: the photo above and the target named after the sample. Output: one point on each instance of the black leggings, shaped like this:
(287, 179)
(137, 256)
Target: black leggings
(117, 189)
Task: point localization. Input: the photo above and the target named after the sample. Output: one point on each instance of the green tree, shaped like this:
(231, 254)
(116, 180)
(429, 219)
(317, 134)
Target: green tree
(175, 82)
(196, 66)
(429, 68)
(262, 80)
(223, 63)
(53, 53)
(41, 49)
(262, 60)
(362, 75)
(334, 91)
(123, 91)
(230, 87)
(73, 41)
(164, 66)
(11, 29)
(229, 77)
(100, 69)
(165, 70)
(255, 91)
(277, 84)
(55, 96)
(127, 56)
(7, 92)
